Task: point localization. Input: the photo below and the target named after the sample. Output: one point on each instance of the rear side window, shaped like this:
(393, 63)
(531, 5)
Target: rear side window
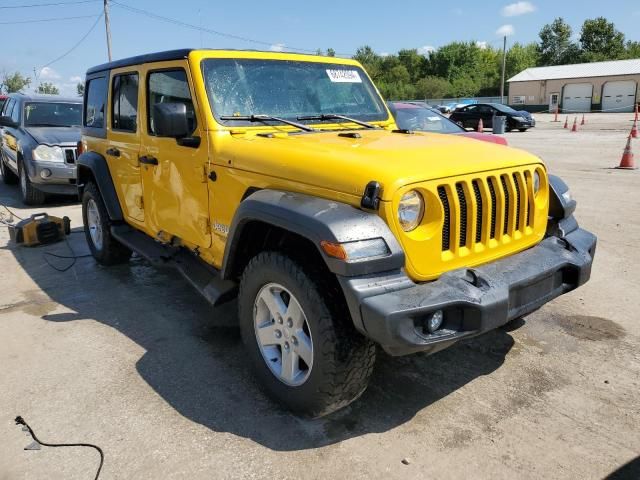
(6, 111)
(96, 97)
(124, 102)
(169, 86)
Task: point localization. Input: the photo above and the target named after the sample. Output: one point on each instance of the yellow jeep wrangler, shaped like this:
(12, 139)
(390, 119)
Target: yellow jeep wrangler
(282, 180)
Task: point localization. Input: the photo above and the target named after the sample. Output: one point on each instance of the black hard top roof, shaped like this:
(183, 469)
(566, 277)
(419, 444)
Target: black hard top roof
(146, 58)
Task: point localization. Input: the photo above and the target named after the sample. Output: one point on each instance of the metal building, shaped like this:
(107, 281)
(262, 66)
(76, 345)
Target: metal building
(583, 87)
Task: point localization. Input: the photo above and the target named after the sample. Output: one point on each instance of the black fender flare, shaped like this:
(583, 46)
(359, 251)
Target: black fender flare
(94, 164)
(315, 219)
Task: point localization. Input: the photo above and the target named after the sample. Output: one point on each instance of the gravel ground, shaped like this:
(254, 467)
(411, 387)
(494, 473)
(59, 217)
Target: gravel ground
(132, 359)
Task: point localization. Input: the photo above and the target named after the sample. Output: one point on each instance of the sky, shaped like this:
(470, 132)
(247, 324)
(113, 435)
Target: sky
(35, 48)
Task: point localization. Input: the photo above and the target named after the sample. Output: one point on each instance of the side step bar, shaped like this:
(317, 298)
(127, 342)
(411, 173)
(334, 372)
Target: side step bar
(205, 278)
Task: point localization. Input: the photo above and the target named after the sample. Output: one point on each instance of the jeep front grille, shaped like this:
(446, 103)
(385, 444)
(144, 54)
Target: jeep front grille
(489, 209)
(70, 155)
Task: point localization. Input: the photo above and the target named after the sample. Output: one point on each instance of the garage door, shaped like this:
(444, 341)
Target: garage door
(576, 97)
(619, 96)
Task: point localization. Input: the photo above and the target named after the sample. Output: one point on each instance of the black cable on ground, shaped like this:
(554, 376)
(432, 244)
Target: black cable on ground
(10, 212)
(20, 421)
(72, 257)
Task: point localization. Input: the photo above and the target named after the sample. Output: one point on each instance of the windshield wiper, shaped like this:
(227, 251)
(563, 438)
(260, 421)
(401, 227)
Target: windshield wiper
(266, 118)
(334, 116)
(45, 125)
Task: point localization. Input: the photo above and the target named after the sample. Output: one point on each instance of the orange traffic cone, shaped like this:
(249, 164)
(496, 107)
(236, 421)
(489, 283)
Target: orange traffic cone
(566, 122)
(582, 122)
(480, 126)
(575, 125)
(627, 162)
(634, 129)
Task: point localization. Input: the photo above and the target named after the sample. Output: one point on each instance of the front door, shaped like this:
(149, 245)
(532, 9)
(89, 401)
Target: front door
(124, 139)
(554, 102)
(9, 140)
(176, 199)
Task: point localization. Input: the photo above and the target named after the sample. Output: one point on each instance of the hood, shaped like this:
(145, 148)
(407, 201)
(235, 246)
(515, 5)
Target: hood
(329, 161)
(54, 135)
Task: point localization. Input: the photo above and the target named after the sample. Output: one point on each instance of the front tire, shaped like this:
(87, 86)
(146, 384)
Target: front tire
(97, 229)
(300, 342)
(30, 195)
(522, 130)
(8, 177)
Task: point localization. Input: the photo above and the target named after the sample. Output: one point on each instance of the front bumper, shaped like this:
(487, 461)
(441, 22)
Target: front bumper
(62, 180)
(391, 310)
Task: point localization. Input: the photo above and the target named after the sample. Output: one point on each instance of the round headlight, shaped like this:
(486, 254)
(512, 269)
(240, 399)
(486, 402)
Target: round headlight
(410, 210)
(536, 182)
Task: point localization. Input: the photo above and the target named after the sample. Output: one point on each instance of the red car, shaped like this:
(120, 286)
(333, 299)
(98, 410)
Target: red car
(420, 118)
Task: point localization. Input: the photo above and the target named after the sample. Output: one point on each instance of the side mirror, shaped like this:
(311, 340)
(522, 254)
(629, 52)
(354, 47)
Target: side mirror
(170, 120)
(7, 122)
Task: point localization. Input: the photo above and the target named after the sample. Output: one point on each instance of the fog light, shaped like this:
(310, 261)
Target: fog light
(434, 322)
(45, 173)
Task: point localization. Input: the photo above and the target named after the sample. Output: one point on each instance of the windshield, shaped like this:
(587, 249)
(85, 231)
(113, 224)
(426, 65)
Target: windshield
(503, 108)
(412, 117)
(50, 114)
(289, 89)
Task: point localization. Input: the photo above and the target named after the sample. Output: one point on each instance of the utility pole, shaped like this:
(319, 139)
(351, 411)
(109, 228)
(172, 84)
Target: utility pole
(108, 28)
(504, 67)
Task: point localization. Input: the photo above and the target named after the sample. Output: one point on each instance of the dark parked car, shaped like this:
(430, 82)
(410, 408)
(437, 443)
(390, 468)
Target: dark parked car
(419, 118)
(40, 135)
(470, 115)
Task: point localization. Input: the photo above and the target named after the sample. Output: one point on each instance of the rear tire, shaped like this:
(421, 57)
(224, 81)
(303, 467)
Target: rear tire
(30, 194)
(97, 229)
(522, 129)
(334, 368)
(8, 177)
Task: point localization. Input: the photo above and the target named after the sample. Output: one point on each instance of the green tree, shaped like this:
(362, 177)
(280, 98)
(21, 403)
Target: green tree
(80, 89)
(15, 82)
(331, 52)
(47, 88)
(520, 57)
(413, 62)
(632, 49)
(370, 60)
(432, 87)
(556, 47)
(601, 41)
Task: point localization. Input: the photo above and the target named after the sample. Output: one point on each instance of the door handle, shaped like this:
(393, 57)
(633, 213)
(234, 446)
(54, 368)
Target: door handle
(148, 160)
(114, 152)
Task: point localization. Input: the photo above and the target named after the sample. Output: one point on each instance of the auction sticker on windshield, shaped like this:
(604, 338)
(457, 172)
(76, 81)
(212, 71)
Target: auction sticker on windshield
(344, 76)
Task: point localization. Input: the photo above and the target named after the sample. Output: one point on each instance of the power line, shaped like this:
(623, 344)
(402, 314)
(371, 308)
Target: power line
(44, 20)
(207, 30)
(49, 4)
(76, 45)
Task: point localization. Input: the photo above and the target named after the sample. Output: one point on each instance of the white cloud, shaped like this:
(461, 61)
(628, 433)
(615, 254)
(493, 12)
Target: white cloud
(505, 30)
(277, 47)
(76, 79)
(426, 50)
(482, 45)
(48, 73)
(384, 54)
(518, 8)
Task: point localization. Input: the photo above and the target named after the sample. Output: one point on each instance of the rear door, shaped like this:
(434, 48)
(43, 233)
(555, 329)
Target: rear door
(174, 176)
(123, 148)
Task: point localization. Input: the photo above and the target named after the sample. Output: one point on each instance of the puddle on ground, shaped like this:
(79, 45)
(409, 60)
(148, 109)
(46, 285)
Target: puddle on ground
(586, 327)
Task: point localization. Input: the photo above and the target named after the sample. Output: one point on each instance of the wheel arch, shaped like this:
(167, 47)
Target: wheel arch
(92, 166)
(309, 220)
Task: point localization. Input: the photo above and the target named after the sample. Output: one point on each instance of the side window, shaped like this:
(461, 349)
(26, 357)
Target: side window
(15, 114)
(96, 97)
(124, 102)
(169, 86)
(6, 111)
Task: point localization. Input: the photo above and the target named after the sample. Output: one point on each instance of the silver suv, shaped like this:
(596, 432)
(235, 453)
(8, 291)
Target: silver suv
(40, 135)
